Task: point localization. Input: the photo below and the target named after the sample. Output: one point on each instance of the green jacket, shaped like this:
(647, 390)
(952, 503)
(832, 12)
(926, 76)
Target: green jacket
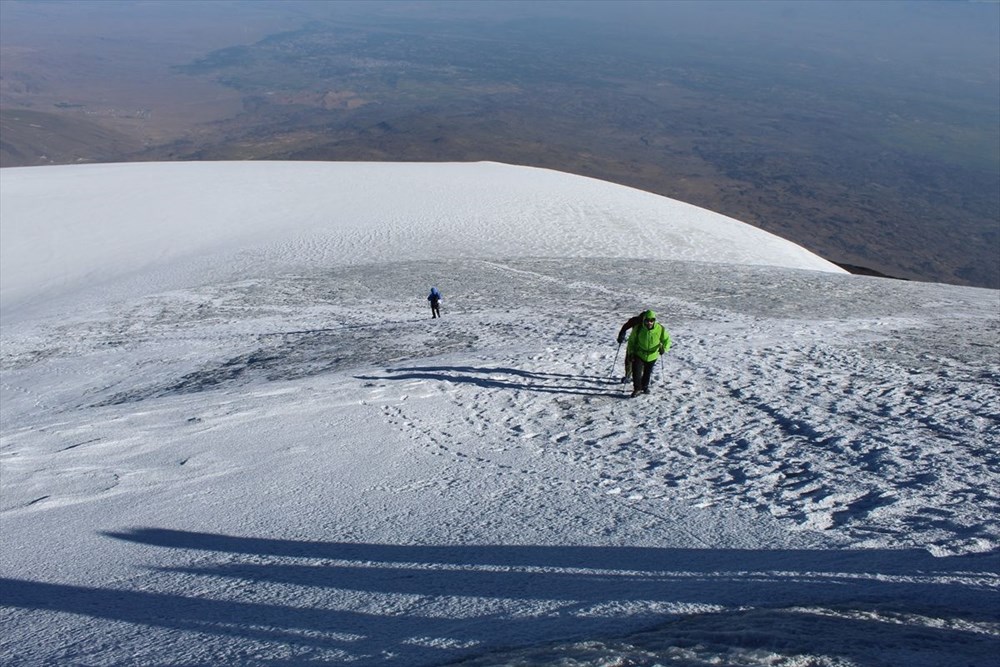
(648, 343)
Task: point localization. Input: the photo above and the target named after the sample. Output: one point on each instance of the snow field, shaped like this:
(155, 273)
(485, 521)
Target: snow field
(135, 229)
(232, 434)
(268, 470)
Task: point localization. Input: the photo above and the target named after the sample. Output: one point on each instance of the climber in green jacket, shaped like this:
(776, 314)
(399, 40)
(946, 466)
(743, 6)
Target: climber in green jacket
(645, 345)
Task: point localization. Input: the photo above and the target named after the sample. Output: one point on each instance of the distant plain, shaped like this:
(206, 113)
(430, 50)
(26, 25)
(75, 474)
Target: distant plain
(867, 132)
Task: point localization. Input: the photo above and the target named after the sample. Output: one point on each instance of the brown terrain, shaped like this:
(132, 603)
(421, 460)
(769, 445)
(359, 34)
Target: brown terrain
(885, 175)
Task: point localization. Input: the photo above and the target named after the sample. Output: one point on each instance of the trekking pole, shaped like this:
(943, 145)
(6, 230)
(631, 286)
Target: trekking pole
(615, 363)
(662, 358)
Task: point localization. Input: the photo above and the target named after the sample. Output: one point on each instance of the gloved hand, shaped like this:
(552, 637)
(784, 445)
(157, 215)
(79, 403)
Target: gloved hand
(621, 340)
(663, 350)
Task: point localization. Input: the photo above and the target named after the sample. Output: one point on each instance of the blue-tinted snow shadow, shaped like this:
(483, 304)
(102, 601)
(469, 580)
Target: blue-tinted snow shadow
(499, 377)
(571, 583)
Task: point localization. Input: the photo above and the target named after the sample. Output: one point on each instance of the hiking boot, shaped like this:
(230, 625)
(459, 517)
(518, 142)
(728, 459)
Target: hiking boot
(635, 392)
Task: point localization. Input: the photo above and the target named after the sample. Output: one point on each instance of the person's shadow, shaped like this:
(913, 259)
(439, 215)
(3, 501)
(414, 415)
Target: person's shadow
(387, 597)
(500, 377)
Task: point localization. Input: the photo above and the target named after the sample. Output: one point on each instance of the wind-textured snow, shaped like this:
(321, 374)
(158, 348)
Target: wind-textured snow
(232, 434)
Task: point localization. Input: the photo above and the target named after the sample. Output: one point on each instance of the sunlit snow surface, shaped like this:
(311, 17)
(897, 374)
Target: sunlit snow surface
(229, 443)
(182, 223)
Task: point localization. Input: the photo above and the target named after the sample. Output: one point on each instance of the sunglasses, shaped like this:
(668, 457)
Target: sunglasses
(651, 321)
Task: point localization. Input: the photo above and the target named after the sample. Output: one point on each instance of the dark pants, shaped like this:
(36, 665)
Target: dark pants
(435, 309)
(641, 370)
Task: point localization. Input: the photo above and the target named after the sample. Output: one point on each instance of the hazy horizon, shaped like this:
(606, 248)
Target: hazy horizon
(867, 132)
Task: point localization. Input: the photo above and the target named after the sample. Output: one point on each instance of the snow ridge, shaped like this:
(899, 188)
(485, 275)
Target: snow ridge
(184, 224)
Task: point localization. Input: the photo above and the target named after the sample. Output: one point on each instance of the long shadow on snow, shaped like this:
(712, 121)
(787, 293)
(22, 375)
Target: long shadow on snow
(550, 383)
(572, 582)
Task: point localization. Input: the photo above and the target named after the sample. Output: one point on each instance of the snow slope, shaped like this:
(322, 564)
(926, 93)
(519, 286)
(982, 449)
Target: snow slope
(181, 222)
(236, 440)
